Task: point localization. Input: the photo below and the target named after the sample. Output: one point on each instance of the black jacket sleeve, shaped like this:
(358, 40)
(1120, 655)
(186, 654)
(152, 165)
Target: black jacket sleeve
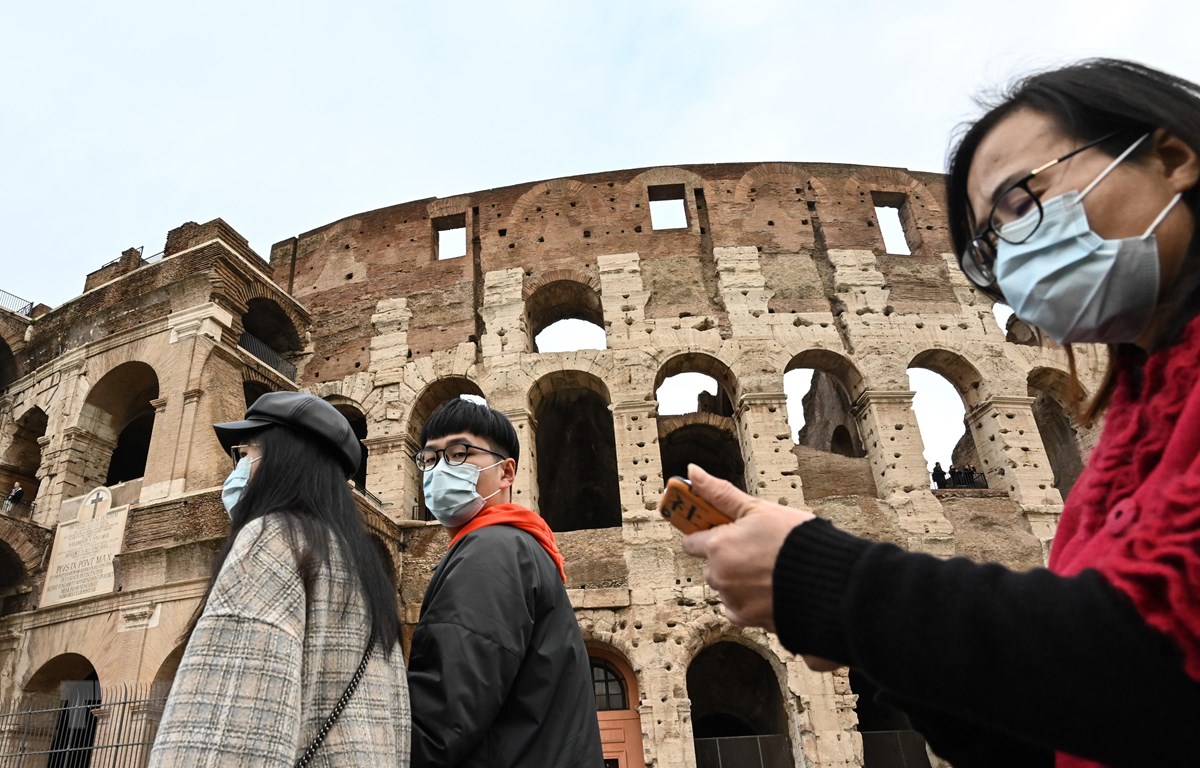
(983, 658)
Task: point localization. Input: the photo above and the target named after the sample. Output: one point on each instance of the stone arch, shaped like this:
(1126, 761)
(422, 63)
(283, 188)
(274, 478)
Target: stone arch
(700, 362)
(357, 416)
(1053, 407)
(561, 295)
(170, 665)
(9, 370)
(776, 203)
(116, 423)
(27, 551)
(888, 737)
(635, 195)
(967, 381)
(575, 451)
(553, 218)
(267, 322)
(829, 422)
(67, 688)
(955, 368)
(708, 437)
(284, 314)
(726, 682)
(22, 460)
(254, 386)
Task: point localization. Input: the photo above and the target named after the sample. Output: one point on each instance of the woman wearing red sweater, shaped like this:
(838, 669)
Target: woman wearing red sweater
(1074, 201)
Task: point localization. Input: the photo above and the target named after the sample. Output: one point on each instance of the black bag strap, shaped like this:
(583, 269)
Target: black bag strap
(309, 753)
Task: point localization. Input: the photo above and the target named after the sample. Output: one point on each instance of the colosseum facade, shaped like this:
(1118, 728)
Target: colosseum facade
(106, 402)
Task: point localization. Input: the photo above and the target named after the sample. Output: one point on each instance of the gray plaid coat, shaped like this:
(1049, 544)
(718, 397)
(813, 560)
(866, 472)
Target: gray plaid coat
(265, 667)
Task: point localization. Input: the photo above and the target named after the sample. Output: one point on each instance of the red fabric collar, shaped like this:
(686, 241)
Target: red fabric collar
(518, 517)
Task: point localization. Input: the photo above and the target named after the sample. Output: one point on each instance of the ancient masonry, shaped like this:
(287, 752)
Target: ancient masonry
(106, 402)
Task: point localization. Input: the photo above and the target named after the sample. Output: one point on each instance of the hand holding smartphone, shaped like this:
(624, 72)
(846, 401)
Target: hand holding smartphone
(687, 511)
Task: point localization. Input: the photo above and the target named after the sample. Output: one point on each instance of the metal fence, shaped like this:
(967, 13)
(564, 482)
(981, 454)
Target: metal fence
(19, 510)
(744, 752)
(262, 351)
(83, 726)
(15, 304)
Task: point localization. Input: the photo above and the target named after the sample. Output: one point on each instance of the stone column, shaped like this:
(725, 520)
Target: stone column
(1010, 447)
(766, 442)
(393, 476)
(525, 488)
(503, 312)
(77, 466)
(892, 439)
(639, 464)
(164, 440)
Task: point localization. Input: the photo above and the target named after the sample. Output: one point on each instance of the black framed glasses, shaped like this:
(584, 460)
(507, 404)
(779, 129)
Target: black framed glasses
(456, 454)
(1015, 215)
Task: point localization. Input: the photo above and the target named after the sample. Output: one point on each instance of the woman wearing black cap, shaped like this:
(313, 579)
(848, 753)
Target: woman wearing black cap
(294, 655)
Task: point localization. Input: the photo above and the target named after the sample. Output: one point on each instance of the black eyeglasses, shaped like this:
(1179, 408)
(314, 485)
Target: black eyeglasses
(427, 458)
(1015, 216)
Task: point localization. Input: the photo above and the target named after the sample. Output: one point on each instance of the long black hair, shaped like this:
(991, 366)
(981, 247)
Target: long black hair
(1088, 100)
(302, 480)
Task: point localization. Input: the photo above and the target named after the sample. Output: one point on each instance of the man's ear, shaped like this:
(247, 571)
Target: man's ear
(508, 473)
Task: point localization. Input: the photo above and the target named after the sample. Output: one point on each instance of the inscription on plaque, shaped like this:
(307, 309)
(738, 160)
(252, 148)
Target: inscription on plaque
(84, 548)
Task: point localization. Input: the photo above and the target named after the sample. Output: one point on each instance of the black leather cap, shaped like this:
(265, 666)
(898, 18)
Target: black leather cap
(301, 411)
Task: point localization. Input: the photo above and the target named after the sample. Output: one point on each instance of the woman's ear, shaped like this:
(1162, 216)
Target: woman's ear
(1180, 163)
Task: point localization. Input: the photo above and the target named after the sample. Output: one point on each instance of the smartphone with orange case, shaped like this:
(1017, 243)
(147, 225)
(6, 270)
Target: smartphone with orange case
(687, 511)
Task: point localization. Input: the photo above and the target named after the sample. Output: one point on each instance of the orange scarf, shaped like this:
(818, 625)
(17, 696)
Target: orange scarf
(518, 517)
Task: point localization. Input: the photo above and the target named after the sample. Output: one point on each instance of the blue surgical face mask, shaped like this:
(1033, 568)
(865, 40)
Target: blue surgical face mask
(450, 492)
(1075, 285)
(231, 491)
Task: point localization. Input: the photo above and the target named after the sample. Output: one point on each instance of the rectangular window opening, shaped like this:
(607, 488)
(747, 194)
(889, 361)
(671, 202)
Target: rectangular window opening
(667, 207)
(891, 210)
(450, 236)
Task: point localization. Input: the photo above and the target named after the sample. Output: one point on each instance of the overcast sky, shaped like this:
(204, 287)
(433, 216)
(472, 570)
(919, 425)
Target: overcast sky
(121, 120)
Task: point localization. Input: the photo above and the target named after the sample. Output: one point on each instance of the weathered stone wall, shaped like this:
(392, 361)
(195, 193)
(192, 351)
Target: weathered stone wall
(780, 266)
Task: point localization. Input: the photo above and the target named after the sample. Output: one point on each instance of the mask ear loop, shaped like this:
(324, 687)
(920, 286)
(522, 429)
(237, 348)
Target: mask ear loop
(1112, 165)
(1158, 219)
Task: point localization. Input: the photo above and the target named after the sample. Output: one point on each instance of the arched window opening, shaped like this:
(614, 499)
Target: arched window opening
(570, 336)
(576, 447)
(841, 443)
(166, 671)
(888, 738)
(269, 335)
(12, 580)
(564, 316)
(796, 385)
(609, 687)
(827, 423)
(8, 366)
(738, 716)
(23, 458)
(940, 414)
(252, 390)
(117, 422)
(1060, 437)
(58, 712)
(692, 392)
(358, 423)
(133, 447)
(711, 446)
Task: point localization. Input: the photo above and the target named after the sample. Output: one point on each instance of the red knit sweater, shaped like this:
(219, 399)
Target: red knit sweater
(1134, 513)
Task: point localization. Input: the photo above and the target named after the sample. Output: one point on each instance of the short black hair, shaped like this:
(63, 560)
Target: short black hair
(463, 415)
